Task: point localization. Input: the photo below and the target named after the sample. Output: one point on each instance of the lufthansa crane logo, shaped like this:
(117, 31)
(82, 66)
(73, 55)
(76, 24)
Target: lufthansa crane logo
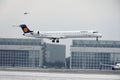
(25, 29)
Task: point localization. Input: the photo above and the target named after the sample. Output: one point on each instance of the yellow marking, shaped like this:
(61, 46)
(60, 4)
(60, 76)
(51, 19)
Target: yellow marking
(25, 29)
(26, 47)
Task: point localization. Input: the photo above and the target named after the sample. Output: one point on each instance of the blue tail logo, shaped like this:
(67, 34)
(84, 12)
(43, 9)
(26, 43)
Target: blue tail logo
(25, 28)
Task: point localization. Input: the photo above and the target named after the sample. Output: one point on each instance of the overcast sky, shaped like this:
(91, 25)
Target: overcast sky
(55, 15)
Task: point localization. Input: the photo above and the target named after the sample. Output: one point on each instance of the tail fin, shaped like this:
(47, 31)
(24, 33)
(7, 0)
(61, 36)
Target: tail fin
(25, 28)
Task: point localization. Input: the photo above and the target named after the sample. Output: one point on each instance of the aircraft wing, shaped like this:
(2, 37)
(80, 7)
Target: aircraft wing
(55, 37)
(107, 65)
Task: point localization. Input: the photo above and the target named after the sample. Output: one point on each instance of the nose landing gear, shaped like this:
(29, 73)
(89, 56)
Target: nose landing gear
(96, 38)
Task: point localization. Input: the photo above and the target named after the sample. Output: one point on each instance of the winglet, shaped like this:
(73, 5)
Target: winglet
(25, 28)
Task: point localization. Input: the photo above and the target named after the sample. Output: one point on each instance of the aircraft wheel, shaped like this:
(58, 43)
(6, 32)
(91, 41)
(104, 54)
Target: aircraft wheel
(57, 41)
(53, 40)
(113, 68)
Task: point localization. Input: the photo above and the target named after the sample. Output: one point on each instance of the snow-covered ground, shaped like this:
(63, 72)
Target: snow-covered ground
(14, 75)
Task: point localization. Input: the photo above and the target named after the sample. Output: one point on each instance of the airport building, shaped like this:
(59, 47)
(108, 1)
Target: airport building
(55, 55)
(29, 52)
(20, 52)
(91, 54)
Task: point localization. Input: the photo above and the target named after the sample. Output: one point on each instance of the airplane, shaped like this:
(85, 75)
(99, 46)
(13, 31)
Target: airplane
(56, 35)
(114, 67)
(25, 13)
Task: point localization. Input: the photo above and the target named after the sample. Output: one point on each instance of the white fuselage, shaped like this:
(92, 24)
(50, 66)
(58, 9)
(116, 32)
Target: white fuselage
(64, 34)
(117, 66)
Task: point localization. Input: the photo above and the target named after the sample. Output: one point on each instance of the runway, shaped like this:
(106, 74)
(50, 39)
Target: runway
(19, 75)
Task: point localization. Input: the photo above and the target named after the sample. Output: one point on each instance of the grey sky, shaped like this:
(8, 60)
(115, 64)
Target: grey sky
(52, 15)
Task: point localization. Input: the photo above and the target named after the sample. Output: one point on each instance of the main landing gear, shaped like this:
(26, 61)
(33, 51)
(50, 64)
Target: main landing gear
(55, 40)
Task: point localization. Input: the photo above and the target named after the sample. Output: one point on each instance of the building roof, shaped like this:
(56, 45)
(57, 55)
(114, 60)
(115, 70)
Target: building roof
(94, 43)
